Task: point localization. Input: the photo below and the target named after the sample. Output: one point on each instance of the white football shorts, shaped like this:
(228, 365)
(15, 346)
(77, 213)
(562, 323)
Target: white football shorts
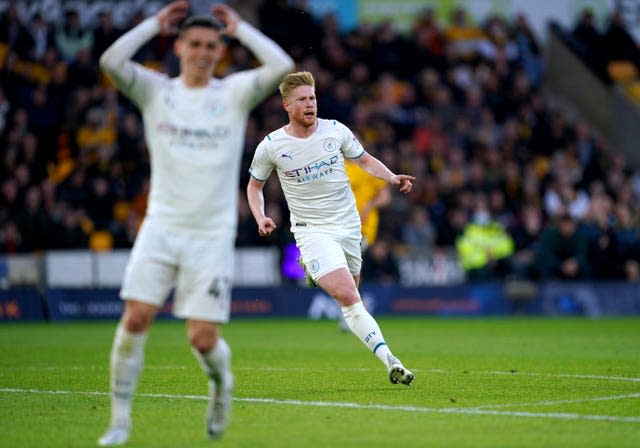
(325, 250)
(200, 269)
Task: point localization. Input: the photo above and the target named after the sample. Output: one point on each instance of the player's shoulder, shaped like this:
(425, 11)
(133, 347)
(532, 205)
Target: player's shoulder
(273, 137)
(236, 80)
(148, 75)
(330, 122)
(333, 125)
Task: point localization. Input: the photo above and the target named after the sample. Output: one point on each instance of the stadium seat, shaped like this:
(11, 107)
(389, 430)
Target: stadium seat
(121, 210)
(633, 90)
(4, 49)
(100, 241)
(622, 71)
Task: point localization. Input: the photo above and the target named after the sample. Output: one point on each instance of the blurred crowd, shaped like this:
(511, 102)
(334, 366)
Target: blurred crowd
(508, 183)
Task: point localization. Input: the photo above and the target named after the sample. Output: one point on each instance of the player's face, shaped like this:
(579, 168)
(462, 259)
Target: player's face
(302, 106)
(199, 49)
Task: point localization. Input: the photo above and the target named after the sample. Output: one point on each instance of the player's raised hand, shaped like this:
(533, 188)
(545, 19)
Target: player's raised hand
(266, 226)
(403, 182)
(228, 16)
(171, 15)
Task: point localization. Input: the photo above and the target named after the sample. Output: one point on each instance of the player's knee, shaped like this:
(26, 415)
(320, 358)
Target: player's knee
(202, 343)
(346, 296)
(136, 322)
(137, 316)
(202, 340)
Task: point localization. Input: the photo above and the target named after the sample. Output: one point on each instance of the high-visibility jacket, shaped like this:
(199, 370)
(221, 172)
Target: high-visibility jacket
(480, 244)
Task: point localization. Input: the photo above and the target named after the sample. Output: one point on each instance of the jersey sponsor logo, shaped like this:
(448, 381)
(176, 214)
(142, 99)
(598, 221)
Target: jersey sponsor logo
(313, 168)
(287, 155)
(193, 138)
(330, 145)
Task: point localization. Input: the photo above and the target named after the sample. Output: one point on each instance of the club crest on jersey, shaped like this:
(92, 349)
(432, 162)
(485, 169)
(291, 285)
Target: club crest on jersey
(168, 101)
(214, 108)
(330, 145)
(314, 266)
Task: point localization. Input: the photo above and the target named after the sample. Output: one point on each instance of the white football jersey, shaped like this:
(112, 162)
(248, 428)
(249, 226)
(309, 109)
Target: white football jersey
(195, 138)
(312, 173)
(195, 135)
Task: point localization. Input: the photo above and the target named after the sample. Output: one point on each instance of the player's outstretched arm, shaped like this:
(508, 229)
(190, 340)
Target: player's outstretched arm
(116, 60)
(255, 197)
(275, 61)
(376, 168)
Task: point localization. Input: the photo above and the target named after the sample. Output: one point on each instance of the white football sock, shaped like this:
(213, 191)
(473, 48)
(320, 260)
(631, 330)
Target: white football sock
(365, 327)
(216, 363)
(127, 360)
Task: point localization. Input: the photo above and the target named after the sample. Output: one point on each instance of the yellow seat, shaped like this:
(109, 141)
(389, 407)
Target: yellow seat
(100, 241)
(622, 71)
(121, 210)
(4, 50)
(633, 90)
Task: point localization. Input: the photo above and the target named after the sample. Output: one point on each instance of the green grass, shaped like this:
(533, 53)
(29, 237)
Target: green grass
(299, 383)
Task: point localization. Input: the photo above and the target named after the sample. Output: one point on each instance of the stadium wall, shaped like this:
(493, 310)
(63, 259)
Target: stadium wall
(488, 299)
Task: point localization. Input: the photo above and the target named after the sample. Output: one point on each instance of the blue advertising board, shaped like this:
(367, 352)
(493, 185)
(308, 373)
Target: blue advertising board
(550, 299)
(19, 304)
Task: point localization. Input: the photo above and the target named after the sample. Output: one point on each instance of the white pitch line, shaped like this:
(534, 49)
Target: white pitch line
(383, 407)
(555, 402)
(558, 375)
(353, 369)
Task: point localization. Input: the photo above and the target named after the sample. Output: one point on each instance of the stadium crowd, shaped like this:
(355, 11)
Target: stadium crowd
(510, 183)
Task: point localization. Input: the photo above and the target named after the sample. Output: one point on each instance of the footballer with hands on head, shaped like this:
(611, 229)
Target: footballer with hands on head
(194, 128)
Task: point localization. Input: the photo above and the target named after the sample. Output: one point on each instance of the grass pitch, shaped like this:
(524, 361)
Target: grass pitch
(299, 383)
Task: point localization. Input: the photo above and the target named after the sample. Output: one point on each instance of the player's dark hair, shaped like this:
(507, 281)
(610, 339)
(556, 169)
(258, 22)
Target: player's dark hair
(201, 21)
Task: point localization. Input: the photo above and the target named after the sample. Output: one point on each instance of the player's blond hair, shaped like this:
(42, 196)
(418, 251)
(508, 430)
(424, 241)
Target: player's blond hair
(293, 80)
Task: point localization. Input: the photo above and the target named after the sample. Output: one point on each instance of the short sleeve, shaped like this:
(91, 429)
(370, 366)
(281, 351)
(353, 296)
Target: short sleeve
(262, 164)
(351, 147)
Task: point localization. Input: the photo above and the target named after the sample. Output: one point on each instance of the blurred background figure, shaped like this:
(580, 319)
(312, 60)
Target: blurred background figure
(563, 250)
(485, 245)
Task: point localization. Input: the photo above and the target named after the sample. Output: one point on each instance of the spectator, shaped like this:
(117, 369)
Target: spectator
(418, 234)
(13, 33)
(452, 228)
(485, 246)
(82, 71)
(72, 36)
(589, 40)
(563, 250)
(428, 41)
(618, 42)
(104, 34)
(33, 222)
(379, 264)
(529, 50)
(101, 203)
(463, 37)
(42, 37)
(526, 238)
(562, 195)
(68, 228)
(11, 239)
